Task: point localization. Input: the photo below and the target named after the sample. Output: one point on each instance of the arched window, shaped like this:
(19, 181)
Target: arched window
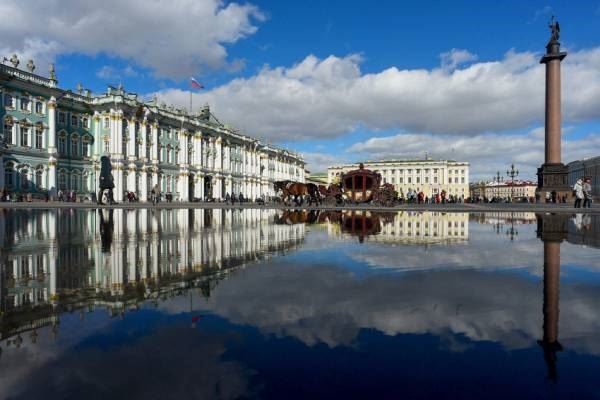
(39, 173)
(8, 129)
(39, 136)
(24, 179)
(62, 143)
(75, 181)
(62, 180)
(39, 107)
(9, 175)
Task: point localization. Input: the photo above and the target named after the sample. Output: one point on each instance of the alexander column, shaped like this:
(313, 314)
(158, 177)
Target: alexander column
(552, 175)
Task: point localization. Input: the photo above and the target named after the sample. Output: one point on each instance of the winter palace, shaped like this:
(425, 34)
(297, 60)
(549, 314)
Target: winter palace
(52, 139)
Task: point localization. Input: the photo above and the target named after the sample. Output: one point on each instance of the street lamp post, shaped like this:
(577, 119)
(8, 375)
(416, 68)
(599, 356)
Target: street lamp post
(497, 179)
(512, 173)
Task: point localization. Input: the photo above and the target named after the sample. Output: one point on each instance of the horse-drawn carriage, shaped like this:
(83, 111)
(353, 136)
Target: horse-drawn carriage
(359, 186)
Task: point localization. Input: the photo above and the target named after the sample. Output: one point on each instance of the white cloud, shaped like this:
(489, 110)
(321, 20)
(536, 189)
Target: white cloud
(455, 57)
(175, 39)
(320, 98)
(487, 153)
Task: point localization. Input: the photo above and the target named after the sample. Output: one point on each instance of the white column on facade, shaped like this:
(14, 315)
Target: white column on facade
(143, 190)
(51, 147)
(131, 178)
(155, 143)
(199, 186)
(202, 191)
(142, 152)
(219, 154)
(132, 140)
(197, 154)
(97, 148)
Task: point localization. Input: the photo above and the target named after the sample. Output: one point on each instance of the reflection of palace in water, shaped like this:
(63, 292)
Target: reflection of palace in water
(402, 227)
(63, 260)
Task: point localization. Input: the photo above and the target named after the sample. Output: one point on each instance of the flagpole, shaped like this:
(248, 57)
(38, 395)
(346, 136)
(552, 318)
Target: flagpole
(190, 101)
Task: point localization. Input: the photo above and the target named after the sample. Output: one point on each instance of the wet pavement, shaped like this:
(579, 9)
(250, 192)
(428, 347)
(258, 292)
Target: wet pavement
(266, 303)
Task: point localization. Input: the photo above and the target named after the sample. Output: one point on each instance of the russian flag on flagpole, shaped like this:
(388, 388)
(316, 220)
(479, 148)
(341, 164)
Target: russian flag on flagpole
(195, 84)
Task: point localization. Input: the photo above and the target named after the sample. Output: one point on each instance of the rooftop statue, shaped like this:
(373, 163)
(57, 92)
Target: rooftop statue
(554, 29)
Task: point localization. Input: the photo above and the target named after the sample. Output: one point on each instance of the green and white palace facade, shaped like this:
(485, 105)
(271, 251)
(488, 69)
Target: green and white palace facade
(52, 139)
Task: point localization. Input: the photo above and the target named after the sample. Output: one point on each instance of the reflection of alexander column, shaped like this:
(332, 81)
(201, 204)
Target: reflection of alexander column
(552, 229)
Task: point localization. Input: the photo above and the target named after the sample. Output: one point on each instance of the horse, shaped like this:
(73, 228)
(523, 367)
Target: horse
(290, 188)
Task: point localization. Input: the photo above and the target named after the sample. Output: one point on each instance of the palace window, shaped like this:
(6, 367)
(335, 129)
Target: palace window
(456, 180)
(75, 146)
(9, 176)
(106, 146)
(39, 107)
(106, 123)
(8, 130)
(418, 179)
(168, 187)
(418, 171)
(74, 120)
(75, 180)
(25, 104)
(24, 179)
(85, 144)
(39, 136)
(38, 178)
(409, 171)
(25, 135)
(435, 179)
(435, 170)
(62, 180)
(401, 180)
(62, 118)
(409, 179)
(462, 180)
(9, 101)
(85, 122)
(62, 144)
(426, 179)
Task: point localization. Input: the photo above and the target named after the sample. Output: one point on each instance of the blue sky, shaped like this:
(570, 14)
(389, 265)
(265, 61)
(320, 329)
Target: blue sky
(338, 80)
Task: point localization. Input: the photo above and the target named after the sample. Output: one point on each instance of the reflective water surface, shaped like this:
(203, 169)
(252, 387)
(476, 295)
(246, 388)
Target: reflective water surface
(228, 304)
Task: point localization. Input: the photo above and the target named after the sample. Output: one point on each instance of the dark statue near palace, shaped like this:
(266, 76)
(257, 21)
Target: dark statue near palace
(107, 181)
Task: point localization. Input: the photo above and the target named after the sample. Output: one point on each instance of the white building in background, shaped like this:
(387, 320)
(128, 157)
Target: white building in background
(52, 139)
(429, 176)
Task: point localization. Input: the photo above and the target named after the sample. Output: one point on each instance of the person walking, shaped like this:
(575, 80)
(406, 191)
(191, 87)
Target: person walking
(578, 189)
(155, 194)
(587, 193)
